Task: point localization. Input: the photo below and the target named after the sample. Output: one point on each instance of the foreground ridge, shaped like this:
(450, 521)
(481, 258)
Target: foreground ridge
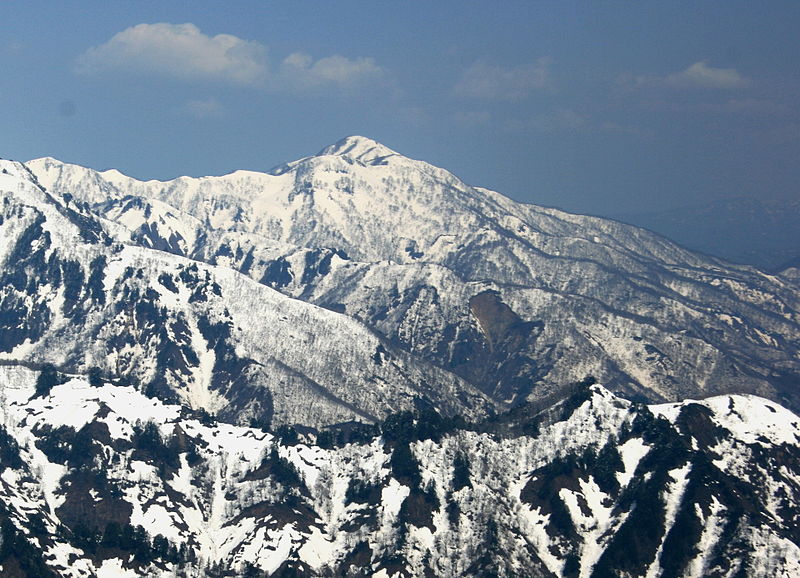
(99, 480)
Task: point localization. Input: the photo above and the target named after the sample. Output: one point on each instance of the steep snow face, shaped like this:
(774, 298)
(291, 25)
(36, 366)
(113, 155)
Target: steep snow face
(416, 254)
(593, 485)
(155, 224)
(213, 338)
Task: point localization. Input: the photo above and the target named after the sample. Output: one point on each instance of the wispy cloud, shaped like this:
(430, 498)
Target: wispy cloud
(566, 121)
(698, 76)
(472, 118)
(750, 107)
(300, 72)
(558, 120)
(183, 51)
(205, 108)
(489, 82)
(178, 50)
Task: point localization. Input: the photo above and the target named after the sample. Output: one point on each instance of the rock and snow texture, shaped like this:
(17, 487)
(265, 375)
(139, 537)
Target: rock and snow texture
(592, 486)
(352, 285)
(72, 295)
(515, 299)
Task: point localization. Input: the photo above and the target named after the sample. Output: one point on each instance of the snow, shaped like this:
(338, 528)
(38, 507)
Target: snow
(365, 209)
(181, 482)
(672, 497)
(116, 267)
(776, 555)
(269, 548)
(307, 459)
(158, 520)
(342, 198)
(748, 417)
(198, 393)
(712, 531)
(113, 568)
(71, 404)
(631, 453)
(392, 497)
(76, 403)
(203, 501)
(536, 534)
(317, 550)
(597, 525)
(67, 558)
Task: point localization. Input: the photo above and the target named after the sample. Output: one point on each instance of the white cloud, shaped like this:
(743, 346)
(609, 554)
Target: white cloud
(488, 82)
(183, 51)
(300, 72)
(698, 75)
(179, 50)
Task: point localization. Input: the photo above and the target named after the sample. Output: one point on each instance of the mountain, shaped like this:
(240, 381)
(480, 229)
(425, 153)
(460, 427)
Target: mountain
(515, 300)
(98, 480)
(764, 233)
(357, 364)
(792, 270)
(74, 295)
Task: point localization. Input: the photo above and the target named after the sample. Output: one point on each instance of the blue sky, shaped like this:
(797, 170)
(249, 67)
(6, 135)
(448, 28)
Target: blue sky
(595, 107)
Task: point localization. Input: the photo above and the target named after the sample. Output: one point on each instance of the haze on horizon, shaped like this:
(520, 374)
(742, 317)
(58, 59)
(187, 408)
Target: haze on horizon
(600, 109)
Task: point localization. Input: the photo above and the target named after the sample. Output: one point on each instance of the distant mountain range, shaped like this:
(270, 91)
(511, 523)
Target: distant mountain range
(743, 230)
(357, 364)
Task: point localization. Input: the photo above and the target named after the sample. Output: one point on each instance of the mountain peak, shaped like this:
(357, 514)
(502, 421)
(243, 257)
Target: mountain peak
(359, 148)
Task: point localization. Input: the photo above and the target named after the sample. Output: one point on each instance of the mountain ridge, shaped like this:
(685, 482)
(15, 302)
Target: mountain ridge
(182, 326)
(431, 343)
(369, 240)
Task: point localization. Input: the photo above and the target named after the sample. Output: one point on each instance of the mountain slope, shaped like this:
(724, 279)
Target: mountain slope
(593, 485)
(72, 295)
(516, 299)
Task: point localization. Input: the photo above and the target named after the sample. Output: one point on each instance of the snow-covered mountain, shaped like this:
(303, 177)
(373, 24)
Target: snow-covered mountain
(430, 342)
(515, 299)
(98, 480)
(72, 295)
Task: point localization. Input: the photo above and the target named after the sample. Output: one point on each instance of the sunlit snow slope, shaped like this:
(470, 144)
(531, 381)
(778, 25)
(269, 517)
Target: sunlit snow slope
(515, 299)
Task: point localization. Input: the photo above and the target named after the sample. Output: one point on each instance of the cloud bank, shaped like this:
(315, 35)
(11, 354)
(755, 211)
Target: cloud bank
(178, 50)
(183, 51)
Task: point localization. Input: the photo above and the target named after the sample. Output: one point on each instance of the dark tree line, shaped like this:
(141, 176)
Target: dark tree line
(131, 539)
